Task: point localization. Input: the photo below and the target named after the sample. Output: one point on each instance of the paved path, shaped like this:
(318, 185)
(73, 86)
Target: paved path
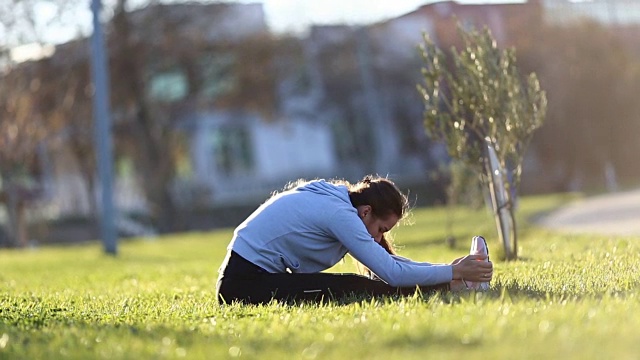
(611, 214)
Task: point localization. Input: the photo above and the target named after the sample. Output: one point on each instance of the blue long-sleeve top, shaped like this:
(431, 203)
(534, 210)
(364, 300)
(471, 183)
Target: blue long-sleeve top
(310, 228)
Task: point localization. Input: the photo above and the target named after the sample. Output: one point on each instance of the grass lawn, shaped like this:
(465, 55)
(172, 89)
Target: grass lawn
(569, 296)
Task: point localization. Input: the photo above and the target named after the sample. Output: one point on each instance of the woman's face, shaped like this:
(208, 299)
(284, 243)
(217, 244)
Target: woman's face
(376, 226)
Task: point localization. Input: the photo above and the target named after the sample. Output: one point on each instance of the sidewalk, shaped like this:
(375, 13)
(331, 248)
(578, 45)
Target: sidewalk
(611, 214)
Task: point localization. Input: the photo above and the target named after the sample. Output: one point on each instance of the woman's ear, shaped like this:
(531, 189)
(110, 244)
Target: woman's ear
(364, 210)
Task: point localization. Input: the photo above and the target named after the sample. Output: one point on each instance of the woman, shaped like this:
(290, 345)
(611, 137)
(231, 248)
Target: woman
(279, 251)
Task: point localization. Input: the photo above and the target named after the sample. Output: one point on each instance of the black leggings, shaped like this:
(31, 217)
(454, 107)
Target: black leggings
(243, 281)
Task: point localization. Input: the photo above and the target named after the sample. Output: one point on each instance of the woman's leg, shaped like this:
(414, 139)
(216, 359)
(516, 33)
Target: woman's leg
(262, 288)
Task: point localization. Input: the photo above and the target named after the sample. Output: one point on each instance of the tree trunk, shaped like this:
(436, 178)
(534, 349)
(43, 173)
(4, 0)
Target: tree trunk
(151, 134)
(503, 214)
(16, 212)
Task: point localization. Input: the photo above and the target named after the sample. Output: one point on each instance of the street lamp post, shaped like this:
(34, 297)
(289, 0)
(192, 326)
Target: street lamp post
(102, 127)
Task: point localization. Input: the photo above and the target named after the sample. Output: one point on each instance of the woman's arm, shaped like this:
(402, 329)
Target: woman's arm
(418, 263)
(347, 228)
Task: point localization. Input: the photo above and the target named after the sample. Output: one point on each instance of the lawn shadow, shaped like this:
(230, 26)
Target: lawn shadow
(502, 291)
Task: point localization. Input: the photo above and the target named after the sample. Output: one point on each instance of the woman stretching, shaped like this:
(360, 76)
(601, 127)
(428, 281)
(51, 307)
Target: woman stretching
(279, 251)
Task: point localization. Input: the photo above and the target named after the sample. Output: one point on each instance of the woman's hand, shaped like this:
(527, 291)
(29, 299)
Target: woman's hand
(454, 262)
(472, 268)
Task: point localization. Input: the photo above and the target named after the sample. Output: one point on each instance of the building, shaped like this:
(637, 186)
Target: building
(608, 12)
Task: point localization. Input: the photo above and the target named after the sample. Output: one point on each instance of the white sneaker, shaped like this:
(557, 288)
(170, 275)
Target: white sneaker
(478, 247)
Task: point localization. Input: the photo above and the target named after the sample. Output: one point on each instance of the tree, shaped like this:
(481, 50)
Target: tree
(27, 107)
(486, 113)
(26, 103)
(220, 72)
(155, 41)
(74, 109)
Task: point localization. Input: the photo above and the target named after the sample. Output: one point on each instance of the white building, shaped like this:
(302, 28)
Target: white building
(241, 157)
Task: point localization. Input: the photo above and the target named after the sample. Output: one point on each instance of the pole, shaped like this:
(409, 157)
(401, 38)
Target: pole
(102, 127)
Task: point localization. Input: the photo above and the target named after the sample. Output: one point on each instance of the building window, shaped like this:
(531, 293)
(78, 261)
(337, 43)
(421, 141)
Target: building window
(218, 75)
(168, 86)
(231, 147)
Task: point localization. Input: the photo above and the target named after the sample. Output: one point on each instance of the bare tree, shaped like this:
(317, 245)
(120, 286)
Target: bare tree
(22, 128)
(26, 107)
(150, 42)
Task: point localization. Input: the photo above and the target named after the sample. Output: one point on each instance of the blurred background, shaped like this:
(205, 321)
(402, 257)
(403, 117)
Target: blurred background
(214, 105)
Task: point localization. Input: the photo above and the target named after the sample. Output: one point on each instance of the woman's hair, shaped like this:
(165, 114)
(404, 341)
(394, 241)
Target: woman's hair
(385, 199)
(381, 194)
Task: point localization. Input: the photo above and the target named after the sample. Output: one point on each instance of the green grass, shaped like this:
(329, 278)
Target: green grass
(571, 297)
